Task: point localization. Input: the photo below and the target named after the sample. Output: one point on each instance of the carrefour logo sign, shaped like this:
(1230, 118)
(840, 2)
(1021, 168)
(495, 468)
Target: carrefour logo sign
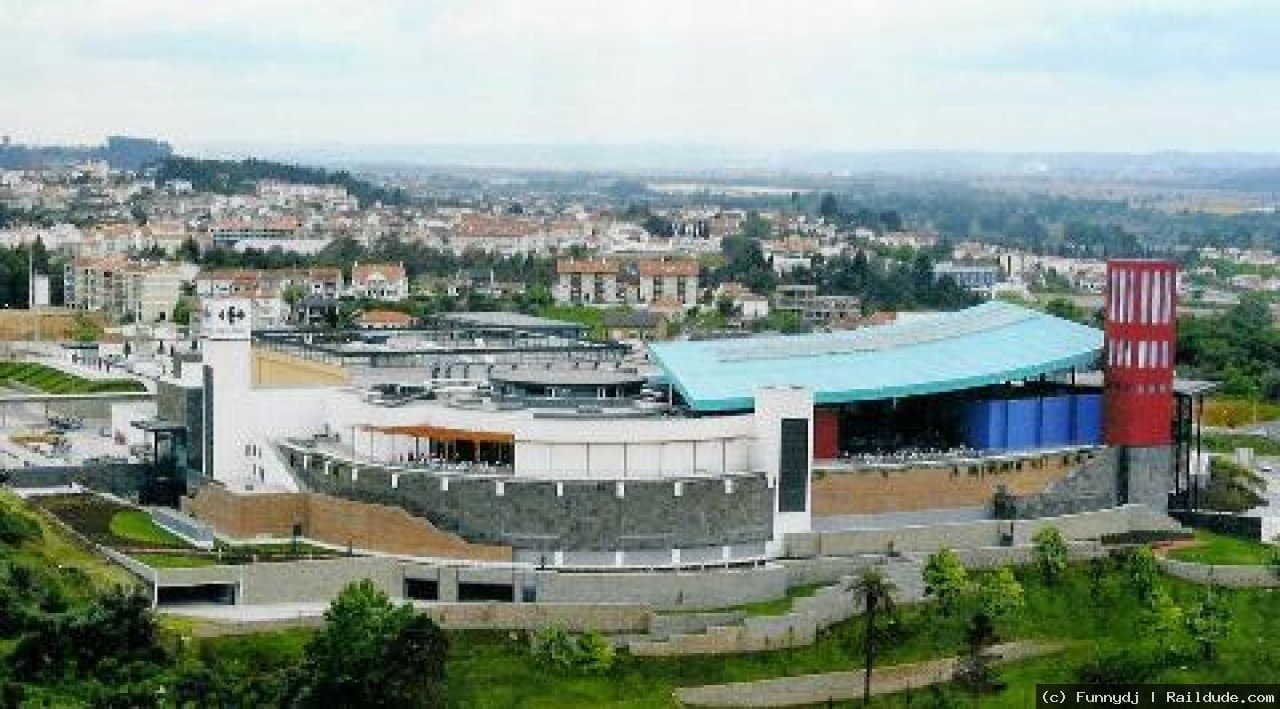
(226, 319)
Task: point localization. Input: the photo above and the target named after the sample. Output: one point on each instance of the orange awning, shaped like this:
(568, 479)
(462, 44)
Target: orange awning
(441, 433)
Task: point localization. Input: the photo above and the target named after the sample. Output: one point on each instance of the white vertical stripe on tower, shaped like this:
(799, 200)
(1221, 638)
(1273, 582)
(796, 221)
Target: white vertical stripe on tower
(1157, 298)
(1121, 280)
(1144, 297)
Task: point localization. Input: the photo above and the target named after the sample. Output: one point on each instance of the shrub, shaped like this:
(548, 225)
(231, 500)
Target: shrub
(1118, 667)
(945, 579)
(16, 528)
(1164, 618)
(588, 653)
(1142, 569)
(1050, 553)
(1209, 623)
(1000, 595)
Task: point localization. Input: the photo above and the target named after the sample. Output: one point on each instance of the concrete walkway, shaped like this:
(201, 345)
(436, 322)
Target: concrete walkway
(817, 689)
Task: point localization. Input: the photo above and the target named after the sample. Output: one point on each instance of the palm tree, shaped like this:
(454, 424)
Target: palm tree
(876, 593)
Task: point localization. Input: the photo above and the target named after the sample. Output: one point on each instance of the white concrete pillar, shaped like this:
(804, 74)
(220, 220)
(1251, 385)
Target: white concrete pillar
(791, 408)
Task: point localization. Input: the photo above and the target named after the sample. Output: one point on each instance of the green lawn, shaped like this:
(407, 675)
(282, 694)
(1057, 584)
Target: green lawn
(55, 381)
(1229, 442)
(494, 670)
(1222, 549)
(137, 526)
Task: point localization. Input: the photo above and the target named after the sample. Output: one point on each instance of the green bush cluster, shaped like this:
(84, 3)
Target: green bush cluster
(16, 528)
(585, 653)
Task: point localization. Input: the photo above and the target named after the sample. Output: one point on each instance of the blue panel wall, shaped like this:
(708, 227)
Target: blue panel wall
(1086, 428)
(986, 424)
(1024, 424)
(1055, 421)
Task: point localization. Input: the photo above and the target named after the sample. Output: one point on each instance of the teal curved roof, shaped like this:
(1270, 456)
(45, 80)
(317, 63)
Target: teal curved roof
(987, 344)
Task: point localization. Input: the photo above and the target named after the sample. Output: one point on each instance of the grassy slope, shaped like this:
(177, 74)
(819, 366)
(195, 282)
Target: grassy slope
(56, 549)
(492, 671)
(1223, 549)
(55, 381)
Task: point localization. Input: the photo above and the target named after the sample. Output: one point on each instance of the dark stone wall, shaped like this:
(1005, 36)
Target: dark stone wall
(1245, 527)
(530, 515)
(135, 481)
(1115, 476)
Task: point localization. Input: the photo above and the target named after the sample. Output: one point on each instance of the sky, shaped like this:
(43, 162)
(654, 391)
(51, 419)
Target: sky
(1001, 75)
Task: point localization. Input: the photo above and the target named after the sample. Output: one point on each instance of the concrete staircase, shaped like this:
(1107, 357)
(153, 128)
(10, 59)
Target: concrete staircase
(808, 616)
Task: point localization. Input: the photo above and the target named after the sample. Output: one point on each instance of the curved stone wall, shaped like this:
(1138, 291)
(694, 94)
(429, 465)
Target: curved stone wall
(550, 515)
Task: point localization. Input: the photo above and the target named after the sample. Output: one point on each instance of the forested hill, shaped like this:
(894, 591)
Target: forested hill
(239, 176)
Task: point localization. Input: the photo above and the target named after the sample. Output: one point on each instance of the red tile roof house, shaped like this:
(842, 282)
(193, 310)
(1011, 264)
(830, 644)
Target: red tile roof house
(380, 281)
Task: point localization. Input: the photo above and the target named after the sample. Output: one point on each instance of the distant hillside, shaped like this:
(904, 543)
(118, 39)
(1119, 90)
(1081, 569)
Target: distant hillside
(239, 177)
(120, 152)
(1261, 180)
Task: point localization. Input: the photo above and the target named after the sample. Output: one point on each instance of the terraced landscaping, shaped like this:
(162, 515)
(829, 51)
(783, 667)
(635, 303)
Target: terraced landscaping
(109, 523)
(132, 530)
(1213, 548)
(55, 381)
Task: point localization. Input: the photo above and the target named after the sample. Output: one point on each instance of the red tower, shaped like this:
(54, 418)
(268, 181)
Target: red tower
(1141, 332)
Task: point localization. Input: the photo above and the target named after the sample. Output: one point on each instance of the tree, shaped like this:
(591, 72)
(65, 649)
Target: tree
(1065, 309)
(1142, 569)
(829, 208)
(373, 653)
(876, 593)
(1050, 551)
(974, 668)
(292, 296)
(189, 251)
(945, 579)
(1209, 623)
(1164, 620)
(182, 310)
(1000, 595)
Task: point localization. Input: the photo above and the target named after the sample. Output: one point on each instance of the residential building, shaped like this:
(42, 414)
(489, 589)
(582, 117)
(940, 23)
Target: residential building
(132, 290)
(748, 305)
(586, 281)
(227, 232)
(266, 289)
(669, 280)
(803, 301)
(972, 276)
(634, 325)
(379, 281)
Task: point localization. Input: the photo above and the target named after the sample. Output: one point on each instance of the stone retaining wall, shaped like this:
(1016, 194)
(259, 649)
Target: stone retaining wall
(971, 535)
(548, 515)
(1222, 575)
(668, 590)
